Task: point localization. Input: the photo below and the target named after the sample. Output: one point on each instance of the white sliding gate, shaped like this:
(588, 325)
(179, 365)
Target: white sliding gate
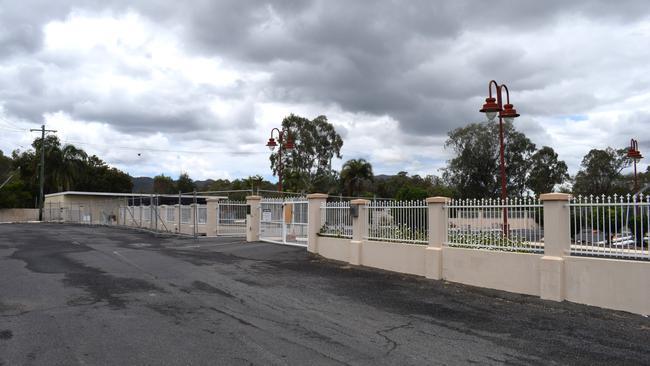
(284, 221)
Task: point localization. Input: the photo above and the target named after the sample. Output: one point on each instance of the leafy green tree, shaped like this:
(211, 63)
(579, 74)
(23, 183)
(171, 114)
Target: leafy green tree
(355, 174)
(475, 172)
(67, 168)
(411, 193)
(15, 195)
(185, 183)
(316, 144)
(220, 185)
(97, 176)
(601, 172)
(546, 171)
(6, 166)
(163, 184)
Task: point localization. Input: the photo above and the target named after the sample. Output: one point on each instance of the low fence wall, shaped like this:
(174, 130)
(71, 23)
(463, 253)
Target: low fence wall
(18, 214)
(539, 261)
(607, 283)
(396, 257)
(513, 272)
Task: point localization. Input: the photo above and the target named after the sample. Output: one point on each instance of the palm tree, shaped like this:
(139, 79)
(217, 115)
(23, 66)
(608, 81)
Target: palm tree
(73, 161)
(355, 173)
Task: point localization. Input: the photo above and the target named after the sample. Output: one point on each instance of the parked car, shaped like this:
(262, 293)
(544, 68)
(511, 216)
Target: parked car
(590, 237)
(624, 238)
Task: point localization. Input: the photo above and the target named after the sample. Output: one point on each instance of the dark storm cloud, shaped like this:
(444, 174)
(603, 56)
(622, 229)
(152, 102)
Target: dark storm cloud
(383, 58)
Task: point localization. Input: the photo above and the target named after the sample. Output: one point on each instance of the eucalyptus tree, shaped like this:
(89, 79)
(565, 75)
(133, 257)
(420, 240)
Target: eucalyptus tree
(316, 144)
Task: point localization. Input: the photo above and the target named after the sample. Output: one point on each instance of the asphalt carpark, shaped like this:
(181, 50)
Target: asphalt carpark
(81, 295)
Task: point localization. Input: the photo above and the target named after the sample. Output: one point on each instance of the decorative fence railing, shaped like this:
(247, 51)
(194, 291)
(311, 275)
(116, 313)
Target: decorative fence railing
(612, 226)
(231, 218)
(336, 220)
(398, 221)
(510, 225)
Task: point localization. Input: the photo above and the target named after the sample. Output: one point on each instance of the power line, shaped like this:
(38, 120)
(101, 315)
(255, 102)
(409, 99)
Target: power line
(10, 124)
(168, 150)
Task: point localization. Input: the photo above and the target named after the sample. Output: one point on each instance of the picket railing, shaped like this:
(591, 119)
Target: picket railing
(481, 224)
(611, 226)
(398, 221)
(336, 220)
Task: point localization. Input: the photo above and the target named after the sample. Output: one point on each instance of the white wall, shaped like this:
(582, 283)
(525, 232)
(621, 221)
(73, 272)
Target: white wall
(334, 248)
(608, 283)
(513, 272)
(397, 257)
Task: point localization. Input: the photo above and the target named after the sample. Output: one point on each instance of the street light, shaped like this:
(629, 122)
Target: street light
(506, 112)
(634, 154)
(286, 143)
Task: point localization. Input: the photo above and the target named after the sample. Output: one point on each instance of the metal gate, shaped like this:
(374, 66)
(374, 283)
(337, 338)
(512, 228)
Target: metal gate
(284, 221)
(231, 218)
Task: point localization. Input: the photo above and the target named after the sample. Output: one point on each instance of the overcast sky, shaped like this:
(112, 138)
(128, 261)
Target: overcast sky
(196, 86)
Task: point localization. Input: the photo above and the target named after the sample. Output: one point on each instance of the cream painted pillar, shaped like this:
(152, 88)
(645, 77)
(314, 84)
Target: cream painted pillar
(557, 245)
(253, 218)
(212, 203)
(315, 201)
(437, 212)
(359, 229)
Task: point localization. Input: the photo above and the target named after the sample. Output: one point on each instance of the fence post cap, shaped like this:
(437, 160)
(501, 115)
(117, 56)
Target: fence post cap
(359, 201)
(213, 199)
(317, 195)
(555, 197)
(253, 198)
(437, 199)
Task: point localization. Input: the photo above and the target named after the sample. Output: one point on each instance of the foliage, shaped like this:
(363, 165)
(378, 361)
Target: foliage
(355, 174)
(5, 167)
(15, 195)
(316, 143)
(546, 171)
(185, 184)
(474, 172)
(491, 240)
(397, 233)
(66, 168)
(601, 173)
(433, 186)
(410, 193)
(163, 184)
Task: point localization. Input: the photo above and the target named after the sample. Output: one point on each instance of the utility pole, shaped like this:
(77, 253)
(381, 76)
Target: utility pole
(42, 173)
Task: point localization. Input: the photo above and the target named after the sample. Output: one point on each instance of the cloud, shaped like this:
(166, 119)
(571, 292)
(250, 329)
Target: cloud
(394, 77)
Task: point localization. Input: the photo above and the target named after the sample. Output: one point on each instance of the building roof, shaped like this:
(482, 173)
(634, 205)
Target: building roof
(114, 194)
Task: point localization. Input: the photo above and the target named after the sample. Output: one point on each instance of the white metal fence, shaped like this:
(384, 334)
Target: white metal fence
(184, 219)
(612, 226)
(398, 221)
(231, 218)
(336, 220)
(510, 225)
(284, 221)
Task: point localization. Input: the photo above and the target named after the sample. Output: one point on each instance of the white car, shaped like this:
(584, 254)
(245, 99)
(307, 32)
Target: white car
(623, 239)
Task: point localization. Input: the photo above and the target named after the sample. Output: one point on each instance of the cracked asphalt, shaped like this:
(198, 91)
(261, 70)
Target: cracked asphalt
(79, 295)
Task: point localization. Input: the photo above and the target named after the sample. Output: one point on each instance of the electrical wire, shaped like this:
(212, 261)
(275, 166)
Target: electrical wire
(167, 150)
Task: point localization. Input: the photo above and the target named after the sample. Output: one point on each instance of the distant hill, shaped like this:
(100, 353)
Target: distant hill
(142, 185)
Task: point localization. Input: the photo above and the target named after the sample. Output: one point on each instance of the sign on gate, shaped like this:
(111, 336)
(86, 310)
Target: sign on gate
(284, 221)
(267, 215)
